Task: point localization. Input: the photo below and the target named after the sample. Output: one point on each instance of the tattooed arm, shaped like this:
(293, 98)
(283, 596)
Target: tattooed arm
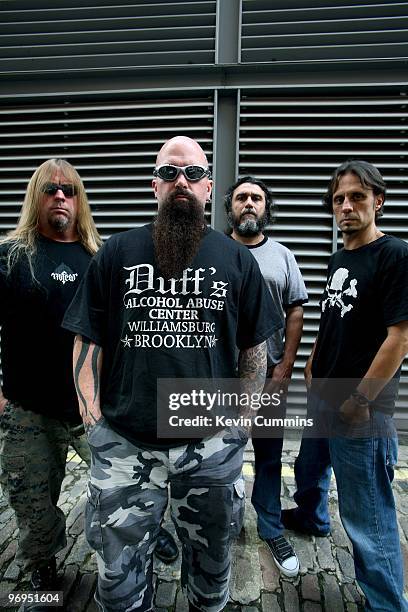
(252, 371)
(87, 373)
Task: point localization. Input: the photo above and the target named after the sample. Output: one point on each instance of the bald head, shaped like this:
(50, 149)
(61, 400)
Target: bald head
(181, 147)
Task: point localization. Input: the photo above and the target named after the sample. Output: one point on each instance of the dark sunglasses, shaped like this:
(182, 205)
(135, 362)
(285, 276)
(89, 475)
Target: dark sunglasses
(51, 189)
(169, 173)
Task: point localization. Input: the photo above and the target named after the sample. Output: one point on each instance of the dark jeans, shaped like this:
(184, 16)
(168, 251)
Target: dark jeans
(364, 470)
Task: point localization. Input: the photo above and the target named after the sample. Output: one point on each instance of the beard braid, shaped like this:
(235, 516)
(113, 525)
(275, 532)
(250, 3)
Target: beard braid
(177, 233)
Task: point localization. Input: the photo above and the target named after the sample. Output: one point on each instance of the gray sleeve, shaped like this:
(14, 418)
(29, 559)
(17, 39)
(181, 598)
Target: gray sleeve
(295, 292)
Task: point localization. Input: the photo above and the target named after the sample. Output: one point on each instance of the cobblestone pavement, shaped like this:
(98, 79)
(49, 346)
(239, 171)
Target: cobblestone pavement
(326, 580)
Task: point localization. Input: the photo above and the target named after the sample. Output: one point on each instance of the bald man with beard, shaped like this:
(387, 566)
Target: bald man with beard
(172, 299)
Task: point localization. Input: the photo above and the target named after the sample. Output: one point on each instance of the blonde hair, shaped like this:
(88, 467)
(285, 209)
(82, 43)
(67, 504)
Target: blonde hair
(23, 238)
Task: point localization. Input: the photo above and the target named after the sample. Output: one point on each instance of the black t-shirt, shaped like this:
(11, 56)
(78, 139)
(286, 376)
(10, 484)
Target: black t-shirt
(366, 292)
(36, 352)
(152, 328)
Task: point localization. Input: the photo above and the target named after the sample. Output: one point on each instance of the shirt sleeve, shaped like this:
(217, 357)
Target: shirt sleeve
(87, 313)
(393, 288)
(295, 293)
(257, 318)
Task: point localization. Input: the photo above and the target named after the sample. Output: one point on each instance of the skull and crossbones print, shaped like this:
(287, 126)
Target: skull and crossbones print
(336, 292)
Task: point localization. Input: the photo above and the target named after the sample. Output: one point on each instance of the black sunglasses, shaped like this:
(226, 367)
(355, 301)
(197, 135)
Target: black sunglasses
(169, 173)
(67, 189)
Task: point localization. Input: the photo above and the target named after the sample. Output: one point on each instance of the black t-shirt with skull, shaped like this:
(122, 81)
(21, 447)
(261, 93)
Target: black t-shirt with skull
(366, 292)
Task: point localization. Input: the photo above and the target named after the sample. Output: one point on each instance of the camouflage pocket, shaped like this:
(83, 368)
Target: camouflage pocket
(93, 527)
(238, 507)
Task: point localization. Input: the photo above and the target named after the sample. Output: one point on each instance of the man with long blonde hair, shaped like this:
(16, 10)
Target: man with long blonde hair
(41, 264)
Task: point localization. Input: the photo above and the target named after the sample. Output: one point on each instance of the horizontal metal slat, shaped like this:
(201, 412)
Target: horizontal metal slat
(125, 47)
(323, 39)
(307, 53)
(263, 28)
(338, 10)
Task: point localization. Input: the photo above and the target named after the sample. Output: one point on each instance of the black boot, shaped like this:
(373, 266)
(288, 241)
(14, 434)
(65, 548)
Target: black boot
(166, 548)
(43, 578)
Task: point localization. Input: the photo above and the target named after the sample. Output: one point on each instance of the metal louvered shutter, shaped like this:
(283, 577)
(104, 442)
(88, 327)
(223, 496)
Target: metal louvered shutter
(113, 145)
(294, 144)
(80, 35)
(320, 31)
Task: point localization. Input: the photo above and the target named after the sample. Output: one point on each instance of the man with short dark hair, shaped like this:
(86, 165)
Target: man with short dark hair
(168, 300)
(353, 374)
(41, 264)
(249, 207)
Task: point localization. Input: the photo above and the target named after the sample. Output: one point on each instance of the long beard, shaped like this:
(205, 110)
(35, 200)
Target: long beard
(177, 233)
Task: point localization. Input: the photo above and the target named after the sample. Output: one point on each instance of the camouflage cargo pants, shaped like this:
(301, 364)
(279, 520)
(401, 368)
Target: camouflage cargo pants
(33, 452)
(127, 498)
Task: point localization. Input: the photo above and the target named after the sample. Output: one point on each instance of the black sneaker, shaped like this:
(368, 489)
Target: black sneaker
(43, 578)
(290, 520)
(284, 556)
(166, 548)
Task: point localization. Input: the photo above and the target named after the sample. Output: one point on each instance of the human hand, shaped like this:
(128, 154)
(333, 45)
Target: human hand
(353, 413)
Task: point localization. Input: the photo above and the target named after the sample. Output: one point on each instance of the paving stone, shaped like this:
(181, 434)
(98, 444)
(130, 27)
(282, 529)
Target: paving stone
(270, 573)
(270, 603)
(79, 552)
(79, 489)
(333, 496)
(305, 551)
(181, 602)
(77, 510)
(403, 526)
(7, 531)
(339, 536)
(311, 607)
(245, 586)
(232, 607)
(346, 563)
(165, 594)
(290, 597)
(90, 566)
(62, 554)
(351, 607)
(92, 607)
(404, 550)
(12, 572)
(68, 580)
(5, 589)
(249, 609)
(77, 527)
(81, 596)
(324, 554)
(333, 600)
(310, 587)
(8, 554)
(250, 530)
(352, 593)
(67, 482)
(6, 515)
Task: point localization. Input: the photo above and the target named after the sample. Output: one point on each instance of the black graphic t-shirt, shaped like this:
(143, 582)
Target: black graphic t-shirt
(36, 353)
(366, 292)
(153, 328)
